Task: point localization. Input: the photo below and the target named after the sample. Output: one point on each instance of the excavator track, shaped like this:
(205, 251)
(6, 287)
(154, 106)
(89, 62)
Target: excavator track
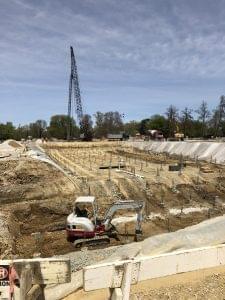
(92, 242)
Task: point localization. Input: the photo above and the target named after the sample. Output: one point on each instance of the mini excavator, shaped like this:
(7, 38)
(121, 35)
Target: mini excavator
(84, 227)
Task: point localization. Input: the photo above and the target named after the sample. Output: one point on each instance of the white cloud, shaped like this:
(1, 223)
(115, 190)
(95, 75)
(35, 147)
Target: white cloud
(130, 39)
(130, 43)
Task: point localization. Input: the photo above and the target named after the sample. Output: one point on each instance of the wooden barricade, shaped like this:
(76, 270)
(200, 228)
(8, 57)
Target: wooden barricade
(25, 279)
(119, 275)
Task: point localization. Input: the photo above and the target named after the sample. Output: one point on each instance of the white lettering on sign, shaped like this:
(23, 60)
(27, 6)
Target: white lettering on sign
(4, 283)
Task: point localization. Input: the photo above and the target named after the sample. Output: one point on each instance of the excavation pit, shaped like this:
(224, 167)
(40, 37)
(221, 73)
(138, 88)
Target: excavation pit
(37, 197)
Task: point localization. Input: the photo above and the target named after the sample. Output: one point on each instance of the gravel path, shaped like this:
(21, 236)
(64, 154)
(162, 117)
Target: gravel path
(212, 288)
(85, 257)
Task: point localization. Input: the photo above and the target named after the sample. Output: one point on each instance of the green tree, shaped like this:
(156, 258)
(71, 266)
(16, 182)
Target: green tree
(143, 126)
(218, 116)
(22, 132)
(131, 128)
(196, 128)
(38, 129)
(7, 131)
(86, 128)
(59, 125)
(158, 122)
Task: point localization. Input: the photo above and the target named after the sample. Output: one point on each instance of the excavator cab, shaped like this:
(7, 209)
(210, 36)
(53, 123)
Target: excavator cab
(83, 223)
(86, 207)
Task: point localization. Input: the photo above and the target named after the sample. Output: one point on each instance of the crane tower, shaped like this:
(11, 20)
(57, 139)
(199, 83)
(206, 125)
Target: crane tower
(74, 101)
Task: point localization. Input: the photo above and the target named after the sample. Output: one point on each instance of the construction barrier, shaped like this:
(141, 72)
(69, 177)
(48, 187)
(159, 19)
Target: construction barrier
(49, 278)
(26, 279)
(119, 275)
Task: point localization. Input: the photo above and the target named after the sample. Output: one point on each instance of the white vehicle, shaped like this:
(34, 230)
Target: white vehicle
(85, 227)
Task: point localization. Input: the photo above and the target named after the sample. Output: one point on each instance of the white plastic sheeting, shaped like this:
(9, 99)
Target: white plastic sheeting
(187, 210)
(124, 219)
(38, 153)
(203, 150)
(208, 233)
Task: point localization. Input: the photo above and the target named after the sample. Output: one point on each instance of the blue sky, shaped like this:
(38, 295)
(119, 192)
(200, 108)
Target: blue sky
(134, 56)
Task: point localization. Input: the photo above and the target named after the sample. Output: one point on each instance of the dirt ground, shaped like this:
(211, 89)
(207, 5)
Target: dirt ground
(198, 185)
(211, 287)
(36, 197)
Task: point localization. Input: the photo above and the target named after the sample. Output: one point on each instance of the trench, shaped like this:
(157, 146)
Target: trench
(51, 224)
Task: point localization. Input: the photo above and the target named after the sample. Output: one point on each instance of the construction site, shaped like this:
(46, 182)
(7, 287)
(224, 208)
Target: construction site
(112, 150)
(37, 197)
(118, 219)
(41, 181)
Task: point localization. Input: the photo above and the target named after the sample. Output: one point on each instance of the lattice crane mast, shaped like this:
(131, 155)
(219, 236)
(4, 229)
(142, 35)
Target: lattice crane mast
(74, 95)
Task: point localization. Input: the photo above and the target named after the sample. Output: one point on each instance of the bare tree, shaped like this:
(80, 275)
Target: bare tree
(109, 122)
(203, 116)
(172, 117)
(215, 122)
(186, 120)
(218, 116)
(100, 129)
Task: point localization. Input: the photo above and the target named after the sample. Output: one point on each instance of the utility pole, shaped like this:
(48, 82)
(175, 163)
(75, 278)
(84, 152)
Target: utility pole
(74, 96)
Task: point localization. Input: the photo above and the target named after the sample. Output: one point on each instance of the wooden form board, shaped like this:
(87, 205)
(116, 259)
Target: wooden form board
(25, 282)
(110, 275)
(37, 271)
(34, 274)
(60, 291)
(46, 270)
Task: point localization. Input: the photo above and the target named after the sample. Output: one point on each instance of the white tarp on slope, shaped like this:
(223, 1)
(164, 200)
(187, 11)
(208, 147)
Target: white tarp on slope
(38, 153)
(208, 233)
(202, 150)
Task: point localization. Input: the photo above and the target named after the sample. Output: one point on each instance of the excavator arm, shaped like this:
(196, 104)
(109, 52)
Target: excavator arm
(137, 206)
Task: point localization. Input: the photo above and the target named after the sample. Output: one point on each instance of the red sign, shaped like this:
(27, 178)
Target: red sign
(4, 275)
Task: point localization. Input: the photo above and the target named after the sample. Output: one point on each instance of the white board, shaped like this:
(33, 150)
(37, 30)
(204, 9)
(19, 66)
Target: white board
(109, 275)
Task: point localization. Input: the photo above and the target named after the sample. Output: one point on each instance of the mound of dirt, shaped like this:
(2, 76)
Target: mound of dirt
(14, 144)
(30, 180)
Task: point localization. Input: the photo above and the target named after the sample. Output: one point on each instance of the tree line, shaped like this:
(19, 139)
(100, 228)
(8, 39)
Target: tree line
(193, 123)
(200, 122)
(109, 122)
